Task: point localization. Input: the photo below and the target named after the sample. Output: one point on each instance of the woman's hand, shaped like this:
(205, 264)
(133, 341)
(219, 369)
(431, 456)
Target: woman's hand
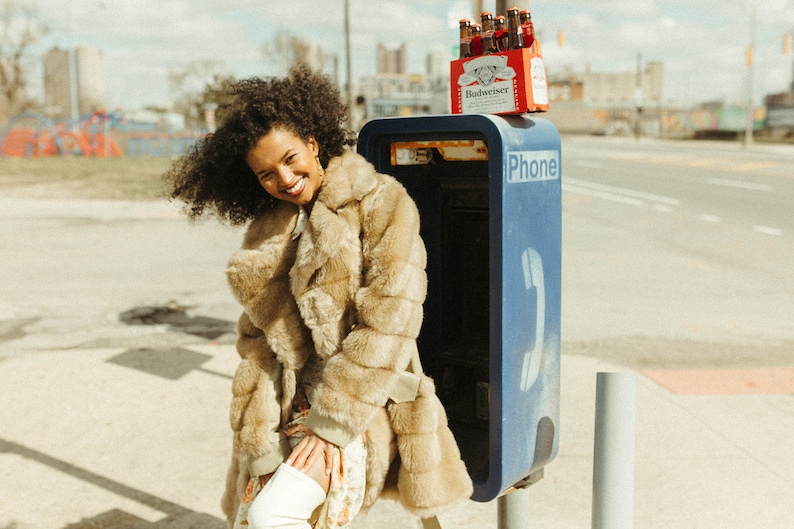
(314, 456)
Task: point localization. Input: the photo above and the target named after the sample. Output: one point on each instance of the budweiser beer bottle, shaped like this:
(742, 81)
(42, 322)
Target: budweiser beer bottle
(515, 37)
(527, 28)
(465, 39)
(500, 32)
(476, 39)
(488, 34)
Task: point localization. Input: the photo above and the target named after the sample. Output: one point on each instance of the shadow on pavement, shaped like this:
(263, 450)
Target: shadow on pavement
(172, 363)
(116, 519)
(177, 517)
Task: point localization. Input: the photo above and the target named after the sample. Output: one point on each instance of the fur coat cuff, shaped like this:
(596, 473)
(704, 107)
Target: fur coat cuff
(329, 429)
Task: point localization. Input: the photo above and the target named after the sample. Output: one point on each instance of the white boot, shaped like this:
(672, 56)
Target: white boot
(286, 502)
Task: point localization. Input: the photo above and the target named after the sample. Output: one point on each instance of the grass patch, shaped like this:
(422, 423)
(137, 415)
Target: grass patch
(123, 178)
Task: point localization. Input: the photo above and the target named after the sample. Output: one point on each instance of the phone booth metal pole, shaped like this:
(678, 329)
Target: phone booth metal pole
(513, 510)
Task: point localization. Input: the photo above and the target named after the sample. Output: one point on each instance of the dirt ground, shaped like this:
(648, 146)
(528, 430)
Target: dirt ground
(122, 178)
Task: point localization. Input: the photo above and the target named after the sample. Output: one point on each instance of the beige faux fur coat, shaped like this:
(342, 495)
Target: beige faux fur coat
(344, 299)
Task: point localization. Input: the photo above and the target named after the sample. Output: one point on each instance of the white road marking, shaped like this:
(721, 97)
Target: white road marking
(602, 194)
(739, 184)
(768, 231)
(710, 218)
(621, 191)
(659, 202)
(589, 165)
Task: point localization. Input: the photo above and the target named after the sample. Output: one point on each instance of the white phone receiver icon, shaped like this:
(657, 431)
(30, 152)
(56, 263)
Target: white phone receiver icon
(533, 277)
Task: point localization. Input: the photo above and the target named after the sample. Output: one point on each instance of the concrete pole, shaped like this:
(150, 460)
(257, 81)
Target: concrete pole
(613, 457)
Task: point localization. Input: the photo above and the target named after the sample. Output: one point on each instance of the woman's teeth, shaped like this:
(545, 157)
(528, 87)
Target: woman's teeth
(296, 189)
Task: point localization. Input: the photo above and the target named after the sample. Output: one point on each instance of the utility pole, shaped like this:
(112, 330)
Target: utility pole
(349, 85)
(638, 99)
(748, 130)
(71, 59)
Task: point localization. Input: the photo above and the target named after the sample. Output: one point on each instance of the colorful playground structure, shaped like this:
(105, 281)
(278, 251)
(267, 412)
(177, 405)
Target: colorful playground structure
(33, 135)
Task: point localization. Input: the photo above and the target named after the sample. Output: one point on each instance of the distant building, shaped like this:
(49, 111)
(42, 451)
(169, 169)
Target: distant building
(389, 95)
(610, 89)
(780, 111)
(90, 82)
(437, 63)
(393, 92)
(606, 102)
(391, 61)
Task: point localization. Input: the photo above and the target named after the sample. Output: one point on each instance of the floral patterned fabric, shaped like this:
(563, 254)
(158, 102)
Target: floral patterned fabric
(348, 478)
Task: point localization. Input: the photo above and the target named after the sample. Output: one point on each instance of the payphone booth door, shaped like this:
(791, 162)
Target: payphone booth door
(488, 192)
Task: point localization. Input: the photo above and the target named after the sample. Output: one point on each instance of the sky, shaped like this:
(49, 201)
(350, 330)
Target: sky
(701, 43)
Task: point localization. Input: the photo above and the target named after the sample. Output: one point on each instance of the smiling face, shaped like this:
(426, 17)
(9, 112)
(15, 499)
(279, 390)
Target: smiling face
(286, 166)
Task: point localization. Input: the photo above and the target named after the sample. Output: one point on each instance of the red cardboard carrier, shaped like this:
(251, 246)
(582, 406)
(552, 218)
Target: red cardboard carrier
(508, 82)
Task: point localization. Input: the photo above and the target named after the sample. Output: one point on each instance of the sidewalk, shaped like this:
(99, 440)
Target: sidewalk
(123, 438)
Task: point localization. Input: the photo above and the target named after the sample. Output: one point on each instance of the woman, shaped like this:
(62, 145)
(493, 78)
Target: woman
(331, 278)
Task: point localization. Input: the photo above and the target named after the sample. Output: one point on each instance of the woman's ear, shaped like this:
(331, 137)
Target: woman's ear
(313, 146)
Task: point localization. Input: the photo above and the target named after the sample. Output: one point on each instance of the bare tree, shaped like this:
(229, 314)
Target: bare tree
(214, 98)
(286, 50)
(21, 27)
(186, 85)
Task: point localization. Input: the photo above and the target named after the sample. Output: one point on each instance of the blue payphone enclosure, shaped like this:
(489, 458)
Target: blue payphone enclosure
(492, 224)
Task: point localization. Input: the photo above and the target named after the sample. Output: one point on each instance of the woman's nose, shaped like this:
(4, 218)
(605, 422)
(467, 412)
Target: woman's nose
(285, 175)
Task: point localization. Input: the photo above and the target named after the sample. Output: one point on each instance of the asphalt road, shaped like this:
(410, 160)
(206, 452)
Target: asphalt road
(678, 253)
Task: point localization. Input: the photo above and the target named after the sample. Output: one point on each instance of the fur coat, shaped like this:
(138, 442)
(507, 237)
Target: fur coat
(343, 299)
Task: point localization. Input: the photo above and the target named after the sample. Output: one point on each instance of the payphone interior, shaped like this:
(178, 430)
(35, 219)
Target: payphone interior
(448, 179)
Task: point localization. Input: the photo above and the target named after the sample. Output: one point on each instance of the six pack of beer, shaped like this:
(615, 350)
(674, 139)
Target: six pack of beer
(500, 69)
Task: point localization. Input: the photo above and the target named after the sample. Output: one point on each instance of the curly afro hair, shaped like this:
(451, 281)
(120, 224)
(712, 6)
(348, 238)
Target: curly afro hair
(213, 176)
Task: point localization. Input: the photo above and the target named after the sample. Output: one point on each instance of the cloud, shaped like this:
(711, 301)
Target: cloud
(701, 43)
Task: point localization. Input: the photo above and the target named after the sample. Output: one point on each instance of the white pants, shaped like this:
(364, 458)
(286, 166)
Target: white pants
(286, 501)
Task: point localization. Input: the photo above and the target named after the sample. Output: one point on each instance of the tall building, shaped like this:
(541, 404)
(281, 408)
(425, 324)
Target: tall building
(391, 61)
(437, 63)
(89, 82)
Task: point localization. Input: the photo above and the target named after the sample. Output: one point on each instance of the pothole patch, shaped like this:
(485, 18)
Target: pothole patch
(177, 318)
